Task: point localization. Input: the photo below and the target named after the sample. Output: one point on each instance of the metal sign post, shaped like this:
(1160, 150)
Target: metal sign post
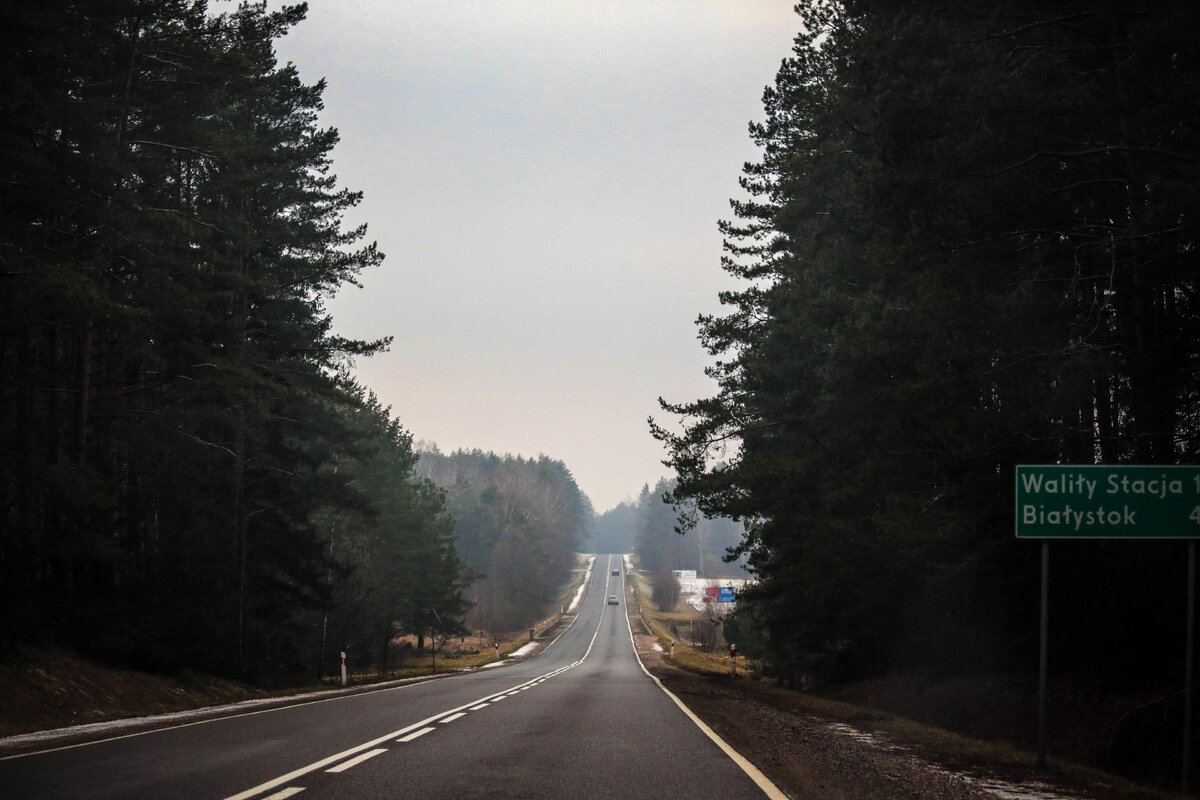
(1043, 641)
(1189, 666)
(1103, 501)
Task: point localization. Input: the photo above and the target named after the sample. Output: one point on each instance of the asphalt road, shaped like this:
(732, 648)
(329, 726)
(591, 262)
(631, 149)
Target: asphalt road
(582, 719)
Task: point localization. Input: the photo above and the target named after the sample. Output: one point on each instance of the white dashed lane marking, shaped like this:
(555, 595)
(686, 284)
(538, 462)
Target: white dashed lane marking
(409, 734)
(345, 765)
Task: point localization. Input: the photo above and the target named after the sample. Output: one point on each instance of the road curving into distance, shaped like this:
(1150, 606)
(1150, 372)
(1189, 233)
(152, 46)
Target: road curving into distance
(581, 719)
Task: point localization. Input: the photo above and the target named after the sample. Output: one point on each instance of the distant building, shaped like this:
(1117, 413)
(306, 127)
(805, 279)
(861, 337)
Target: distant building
(685, 574)
(705, 593)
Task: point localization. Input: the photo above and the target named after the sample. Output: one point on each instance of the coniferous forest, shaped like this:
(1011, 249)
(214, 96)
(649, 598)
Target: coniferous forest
(969, 242)
(648, 528)
(519, 523)
(188, 476)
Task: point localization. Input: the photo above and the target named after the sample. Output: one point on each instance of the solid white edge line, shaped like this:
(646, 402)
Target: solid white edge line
(754, 773)
(415, 735)
(316, 765)
(345, 765)
(337, 696)
(134, 734)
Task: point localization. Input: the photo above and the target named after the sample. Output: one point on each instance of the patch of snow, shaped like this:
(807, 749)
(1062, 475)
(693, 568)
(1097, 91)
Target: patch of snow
(996, 787)
(520, 651)
(118, 726)
(1004, 790)
(579, 594)
(862, 737)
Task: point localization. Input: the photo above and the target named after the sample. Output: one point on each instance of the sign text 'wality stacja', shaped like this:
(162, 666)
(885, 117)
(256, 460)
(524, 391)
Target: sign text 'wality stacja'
(1063, 501)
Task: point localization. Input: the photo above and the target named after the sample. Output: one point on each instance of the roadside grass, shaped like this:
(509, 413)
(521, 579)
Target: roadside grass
(47, 688)
(659, 622)
(418, 664)
(942, 746)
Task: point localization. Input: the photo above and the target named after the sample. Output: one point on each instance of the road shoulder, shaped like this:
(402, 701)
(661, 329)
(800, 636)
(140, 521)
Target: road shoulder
(846, 756)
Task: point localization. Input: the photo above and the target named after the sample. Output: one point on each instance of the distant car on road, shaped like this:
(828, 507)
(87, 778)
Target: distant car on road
(612, 600)
(616, 572)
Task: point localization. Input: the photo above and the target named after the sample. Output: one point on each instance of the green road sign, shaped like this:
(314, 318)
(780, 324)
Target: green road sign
(1062, 501)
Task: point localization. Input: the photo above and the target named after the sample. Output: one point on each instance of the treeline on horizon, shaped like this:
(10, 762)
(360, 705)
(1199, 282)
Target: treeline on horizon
(188, 477)
(969, 242)
(649, 528)
(519, 524)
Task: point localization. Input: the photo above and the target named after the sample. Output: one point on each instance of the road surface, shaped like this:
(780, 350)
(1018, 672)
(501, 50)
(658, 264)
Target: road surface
(582, 719)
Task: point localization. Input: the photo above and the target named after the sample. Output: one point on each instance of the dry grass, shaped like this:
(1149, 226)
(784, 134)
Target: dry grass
(47, 689)
(942, 745)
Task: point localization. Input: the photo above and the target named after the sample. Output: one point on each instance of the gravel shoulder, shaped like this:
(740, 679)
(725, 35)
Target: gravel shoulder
(852, 755)
(837, 751)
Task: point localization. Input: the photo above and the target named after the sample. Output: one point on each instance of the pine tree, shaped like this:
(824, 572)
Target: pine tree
(172, 389)
(964, 240)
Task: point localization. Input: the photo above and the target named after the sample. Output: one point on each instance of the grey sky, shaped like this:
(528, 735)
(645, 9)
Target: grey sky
(545, 179)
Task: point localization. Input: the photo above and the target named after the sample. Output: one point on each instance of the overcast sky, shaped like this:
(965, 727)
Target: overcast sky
(545, 178)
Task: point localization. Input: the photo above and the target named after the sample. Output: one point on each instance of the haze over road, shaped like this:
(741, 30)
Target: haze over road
(581, 719)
